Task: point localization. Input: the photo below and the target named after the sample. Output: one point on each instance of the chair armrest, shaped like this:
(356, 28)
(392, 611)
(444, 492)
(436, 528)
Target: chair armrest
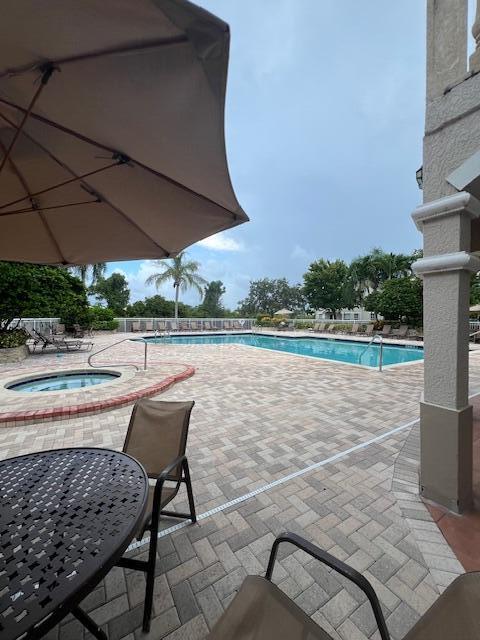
(339, 566)
(170, 467)
(160, 481)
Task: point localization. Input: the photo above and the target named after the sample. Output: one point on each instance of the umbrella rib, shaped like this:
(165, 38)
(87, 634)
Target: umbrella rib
(55, 206)
(130, 48)
(46, 75)
(25, 186)
(62, 184)
(95, 143)
(89, 188)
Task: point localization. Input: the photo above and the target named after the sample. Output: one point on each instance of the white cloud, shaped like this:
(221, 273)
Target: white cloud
(301, 254)
(220, 242)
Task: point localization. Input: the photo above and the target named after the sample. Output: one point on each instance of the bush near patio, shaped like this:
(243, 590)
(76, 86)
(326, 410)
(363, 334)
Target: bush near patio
(34, 291)
(101, 319)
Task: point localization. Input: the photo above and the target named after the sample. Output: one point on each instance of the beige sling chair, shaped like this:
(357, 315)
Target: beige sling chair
(157, 438)
(260, 610)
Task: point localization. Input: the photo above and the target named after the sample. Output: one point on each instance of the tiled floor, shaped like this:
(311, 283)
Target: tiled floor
(260, 416)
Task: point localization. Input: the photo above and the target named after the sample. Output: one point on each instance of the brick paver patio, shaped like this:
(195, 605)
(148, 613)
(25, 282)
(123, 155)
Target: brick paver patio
(260, 416)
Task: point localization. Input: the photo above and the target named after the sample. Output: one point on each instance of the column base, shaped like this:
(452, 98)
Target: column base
(446, 456)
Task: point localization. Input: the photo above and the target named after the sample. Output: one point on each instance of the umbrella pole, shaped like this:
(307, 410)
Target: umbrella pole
(46, 75)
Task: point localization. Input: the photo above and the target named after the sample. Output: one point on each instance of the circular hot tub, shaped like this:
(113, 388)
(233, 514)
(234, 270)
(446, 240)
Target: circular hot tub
(63, 381)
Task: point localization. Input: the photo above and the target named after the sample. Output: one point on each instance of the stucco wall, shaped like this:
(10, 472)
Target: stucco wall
(452, 134)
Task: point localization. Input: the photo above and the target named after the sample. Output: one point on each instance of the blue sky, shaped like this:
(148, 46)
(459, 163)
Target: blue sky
(324, 124)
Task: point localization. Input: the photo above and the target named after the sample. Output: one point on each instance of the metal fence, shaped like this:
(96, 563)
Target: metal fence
(127, 325)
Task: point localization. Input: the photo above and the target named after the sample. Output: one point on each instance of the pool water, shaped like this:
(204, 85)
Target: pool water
(329, 349)
(64, 381)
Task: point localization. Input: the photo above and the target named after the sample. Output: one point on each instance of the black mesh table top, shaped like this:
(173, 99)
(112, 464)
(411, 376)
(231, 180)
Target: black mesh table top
(66, 516)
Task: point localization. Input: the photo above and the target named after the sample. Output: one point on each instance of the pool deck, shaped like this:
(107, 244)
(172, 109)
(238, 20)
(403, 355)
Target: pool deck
(277, 442)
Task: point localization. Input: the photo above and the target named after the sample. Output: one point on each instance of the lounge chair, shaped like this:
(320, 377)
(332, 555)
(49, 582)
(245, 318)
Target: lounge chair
(237, 325)
(330, 329)
(354, 329)
(136, 326)
(207, 325)
(319, 326)
(172, 325)
(161, 325)
(368, 330)
(57, 342)
(386, 330)
(194, 325)
(59, 330)
(183, 326)
(261, 610)
(157, 438)
(149, 325)
(78, 332)
(414, 334)
(401, 332)
(227, 325)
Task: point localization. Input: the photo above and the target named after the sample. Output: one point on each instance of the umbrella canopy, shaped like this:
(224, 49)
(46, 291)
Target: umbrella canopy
(111, 130)
(475, 308)
(283, 312)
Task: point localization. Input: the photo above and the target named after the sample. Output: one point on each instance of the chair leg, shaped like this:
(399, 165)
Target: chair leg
(152, 559)
(188, 482)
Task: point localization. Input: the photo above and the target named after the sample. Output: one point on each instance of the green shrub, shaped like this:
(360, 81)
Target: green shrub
(304, 324)
(13, 338)
(104, 325)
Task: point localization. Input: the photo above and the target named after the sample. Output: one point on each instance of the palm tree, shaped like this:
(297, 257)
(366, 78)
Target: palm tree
(96, 270)
(184, 274)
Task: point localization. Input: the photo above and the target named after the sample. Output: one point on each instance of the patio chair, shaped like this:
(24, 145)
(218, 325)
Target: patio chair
(57, 342)
(261, 610)
(227, 325)
(149, 325)
(414, 334)
(386, 330)
(207, 325)
(172, 325)
(368, 330)
(354, 329)
(59, 329)
(194, 325)
(330, 329)
(237, 325)
(136, 326)
(319, 326)
(401, 332)
(78, 332)
(161, 325)
(157, 438)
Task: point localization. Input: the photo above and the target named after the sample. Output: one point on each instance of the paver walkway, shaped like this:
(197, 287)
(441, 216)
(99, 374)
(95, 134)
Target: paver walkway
(260, 416)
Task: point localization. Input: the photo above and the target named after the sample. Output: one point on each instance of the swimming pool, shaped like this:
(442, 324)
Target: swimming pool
(339, 350)
(63, 381)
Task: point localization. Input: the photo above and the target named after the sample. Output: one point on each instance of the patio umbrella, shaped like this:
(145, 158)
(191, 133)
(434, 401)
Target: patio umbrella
(283, 312)
(475, 308)
(111, 130)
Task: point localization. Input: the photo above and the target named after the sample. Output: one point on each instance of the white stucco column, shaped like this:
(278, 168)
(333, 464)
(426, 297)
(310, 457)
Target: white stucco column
(445, 413)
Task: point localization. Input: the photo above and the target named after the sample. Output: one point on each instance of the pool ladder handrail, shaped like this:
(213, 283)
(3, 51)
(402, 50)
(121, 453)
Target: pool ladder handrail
(376, 337)
(126, 364)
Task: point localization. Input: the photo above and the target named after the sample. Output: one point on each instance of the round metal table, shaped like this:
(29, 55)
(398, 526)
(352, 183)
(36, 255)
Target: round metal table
(66, 517)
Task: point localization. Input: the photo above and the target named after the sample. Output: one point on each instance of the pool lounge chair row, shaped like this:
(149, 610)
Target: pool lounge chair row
(43, 342)
(182, 325)
(402, 332)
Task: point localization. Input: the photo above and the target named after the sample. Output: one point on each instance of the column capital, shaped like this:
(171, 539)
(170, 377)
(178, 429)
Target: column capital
(462, 203)
(459, 261)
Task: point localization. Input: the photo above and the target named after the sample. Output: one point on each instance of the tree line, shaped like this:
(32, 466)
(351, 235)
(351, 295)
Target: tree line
(381, 282)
